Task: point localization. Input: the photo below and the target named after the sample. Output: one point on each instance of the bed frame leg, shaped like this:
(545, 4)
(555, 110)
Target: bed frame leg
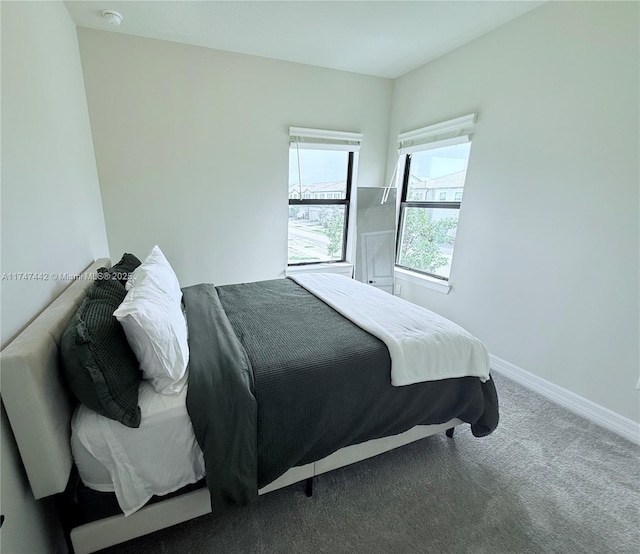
(449, 432)
(64, 509)
(66, 505)
(308, 489)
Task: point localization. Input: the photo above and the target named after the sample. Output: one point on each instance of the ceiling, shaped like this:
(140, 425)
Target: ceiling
(386, 39)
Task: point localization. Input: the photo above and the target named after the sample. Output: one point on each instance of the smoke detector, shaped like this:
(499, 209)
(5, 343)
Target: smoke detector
(112, 17)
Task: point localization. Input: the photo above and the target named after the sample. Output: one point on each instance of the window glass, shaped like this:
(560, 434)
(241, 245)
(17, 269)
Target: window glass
(318, 204)
(320, 173)
(437, 171)
(316, 233)
(432, 191)
(427, 239)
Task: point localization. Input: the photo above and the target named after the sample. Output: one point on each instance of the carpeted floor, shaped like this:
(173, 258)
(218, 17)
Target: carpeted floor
(544, 481)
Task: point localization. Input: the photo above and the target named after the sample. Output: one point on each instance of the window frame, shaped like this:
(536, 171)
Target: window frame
(346, 201)
(439, 135)
(424, 204)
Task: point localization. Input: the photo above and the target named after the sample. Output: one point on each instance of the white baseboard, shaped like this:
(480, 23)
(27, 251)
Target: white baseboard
(599, 415)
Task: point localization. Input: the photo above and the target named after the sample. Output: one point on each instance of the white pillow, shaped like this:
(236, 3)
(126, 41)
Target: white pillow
(157, 269)
(152, 319)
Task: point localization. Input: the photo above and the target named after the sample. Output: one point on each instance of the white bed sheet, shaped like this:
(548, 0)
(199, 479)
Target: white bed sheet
(159, 457)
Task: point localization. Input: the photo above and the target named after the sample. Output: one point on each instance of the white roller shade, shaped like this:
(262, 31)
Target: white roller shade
(321, 139)
(447, 133)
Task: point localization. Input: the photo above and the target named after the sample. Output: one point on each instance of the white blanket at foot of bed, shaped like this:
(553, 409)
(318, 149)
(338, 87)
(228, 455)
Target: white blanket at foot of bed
(423, 345)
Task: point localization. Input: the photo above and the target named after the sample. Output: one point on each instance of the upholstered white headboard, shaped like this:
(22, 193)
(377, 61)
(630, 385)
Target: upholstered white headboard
(37, 403)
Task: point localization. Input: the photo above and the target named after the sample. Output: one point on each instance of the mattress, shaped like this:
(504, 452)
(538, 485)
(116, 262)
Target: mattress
(159, 457)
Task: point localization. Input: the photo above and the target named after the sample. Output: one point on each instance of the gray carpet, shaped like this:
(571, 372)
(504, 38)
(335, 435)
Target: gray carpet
(544, 481)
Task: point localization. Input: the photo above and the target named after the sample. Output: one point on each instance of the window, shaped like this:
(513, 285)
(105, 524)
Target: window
(320, 178)
(435, 165)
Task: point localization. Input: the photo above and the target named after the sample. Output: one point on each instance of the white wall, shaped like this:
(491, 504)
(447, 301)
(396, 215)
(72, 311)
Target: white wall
(51, 209)
(52, 218)
(192, 148)
(546, 263)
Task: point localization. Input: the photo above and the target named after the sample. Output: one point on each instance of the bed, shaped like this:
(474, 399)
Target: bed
(40, 407)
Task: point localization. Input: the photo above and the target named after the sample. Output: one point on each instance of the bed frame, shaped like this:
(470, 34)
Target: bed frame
(39, 408)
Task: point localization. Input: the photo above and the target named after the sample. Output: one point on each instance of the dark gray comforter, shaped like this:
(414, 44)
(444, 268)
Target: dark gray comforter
(278, 379)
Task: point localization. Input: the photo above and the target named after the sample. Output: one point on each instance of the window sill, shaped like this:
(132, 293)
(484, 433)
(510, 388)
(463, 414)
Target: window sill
(343, 268)
(424, 281)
